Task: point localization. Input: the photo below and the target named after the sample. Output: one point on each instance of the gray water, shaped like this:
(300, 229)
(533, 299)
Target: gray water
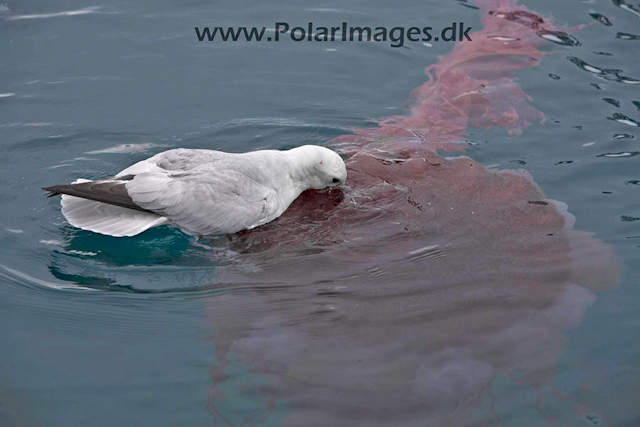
(146, 331)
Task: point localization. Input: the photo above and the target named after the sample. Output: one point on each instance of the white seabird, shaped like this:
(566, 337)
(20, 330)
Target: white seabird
(203, 192)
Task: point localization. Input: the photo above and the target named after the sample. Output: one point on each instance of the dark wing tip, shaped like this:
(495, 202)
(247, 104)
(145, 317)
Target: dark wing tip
(112, 192)
(52, 191)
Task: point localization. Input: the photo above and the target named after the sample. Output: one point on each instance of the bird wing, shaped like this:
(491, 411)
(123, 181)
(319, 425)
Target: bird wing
(202, 191)
(103, 218)
(203, 203)
(111, 191)
(176, 160)
(206, 197)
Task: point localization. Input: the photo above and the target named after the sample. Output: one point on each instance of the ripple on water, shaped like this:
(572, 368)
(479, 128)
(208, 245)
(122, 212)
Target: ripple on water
(559, 37)
(612, 101)
(127, 148)
(625, 120)
(621, 154)
(601, 19)
(603, 73)
(622, 4)
(466, 3)
(83, 11)
(627, 36)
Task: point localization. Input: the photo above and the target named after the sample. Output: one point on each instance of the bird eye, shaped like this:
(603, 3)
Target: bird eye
(335, 180)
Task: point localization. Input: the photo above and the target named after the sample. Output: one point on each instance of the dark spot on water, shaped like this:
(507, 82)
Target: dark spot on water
(554, 76)
(606, 192)
(597, 86)
(415, 204)
(518, 162)
(593, 419)
(632, 182)
(579, 127)
(627, 218)
(564, 162)
(601, 19)
(627, 36)
(637, 104)
(603, 53)
(465, 3)
(550, 234)
(538, 202)
(623, 136)
(612, 101)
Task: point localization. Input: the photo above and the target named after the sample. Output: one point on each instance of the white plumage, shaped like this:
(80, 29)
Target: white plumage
(203, 192)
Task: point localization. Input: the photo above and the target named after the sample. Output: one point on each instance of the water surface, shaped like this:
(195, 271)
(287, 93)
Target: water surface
(369, 306)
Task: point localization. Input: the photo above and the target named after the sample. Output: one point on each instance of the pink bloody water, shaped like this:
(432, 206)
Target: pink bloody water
(400, 300)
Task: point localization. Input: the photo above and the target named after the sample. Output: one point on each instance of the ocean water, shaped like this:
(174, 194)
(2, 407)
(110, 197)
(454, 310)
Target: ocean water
(428, 292)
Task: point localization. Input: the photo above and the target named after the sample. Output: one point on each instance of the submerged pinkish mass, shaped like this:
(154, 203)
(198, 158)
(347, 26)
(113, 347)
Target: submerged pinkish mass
(474, 85)
(399, 301)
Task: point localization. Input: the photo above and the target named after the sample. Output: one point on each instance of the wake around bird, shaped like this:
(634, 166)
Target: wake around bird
(202, 192)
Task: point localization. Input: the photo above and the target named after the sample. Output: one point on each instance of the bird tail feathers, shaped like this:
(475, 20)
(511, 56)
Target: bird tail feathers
(107, 219)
